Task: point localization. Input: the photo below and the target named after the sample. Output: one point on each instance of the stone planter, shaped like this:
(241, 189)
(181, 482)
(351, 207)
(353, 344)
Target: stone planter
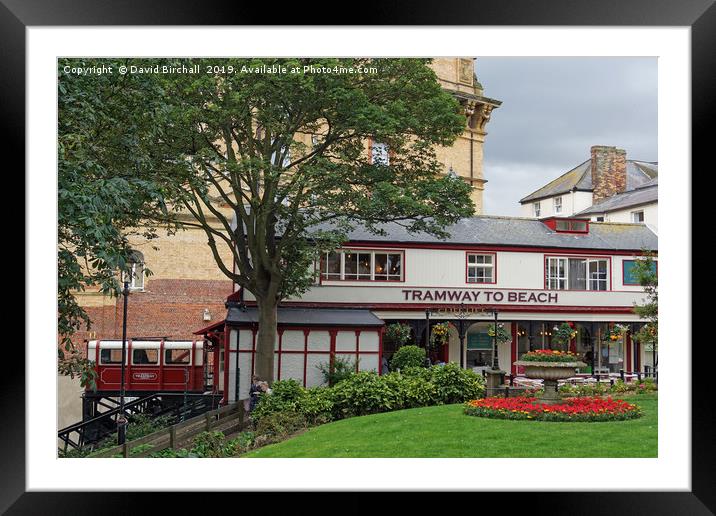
(550, 372)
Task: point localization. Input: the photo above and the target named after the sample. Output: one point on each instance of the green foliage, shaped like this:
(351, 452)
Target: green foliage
(315, 405)
(397, 333)
(563, 333)
(454, 384)
(407, 356)
(279, 425)
(340, 369)
(502, 334)
(209, 444)
(108, 184)
(645, 272)
(364, 393)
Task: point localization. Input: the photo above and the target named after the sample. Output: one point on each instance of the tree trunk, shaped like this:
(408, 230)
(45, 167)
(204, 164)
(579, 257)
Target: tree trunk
(266, 340)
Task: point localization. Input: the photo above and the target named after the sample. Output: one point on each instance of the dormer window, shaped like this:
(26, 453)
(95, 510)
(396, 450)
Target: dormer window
(562, 225)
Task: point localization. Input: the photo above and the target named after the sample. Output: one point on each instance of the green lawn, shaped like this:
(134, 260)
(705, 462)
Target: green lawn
(444, 431)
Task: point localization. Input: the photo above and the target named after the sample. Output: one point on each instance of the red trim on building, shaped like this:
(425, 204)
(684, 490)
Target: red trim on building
(513, 354)
(628, 352)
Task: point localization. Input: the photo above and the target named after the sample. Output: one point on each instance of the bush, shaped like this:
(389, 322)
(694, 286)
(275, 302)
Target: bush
(315, 405)
(343, 367)
(209, 444)
(407, 356)
(364, 393)
(278, 426)
(455, 385)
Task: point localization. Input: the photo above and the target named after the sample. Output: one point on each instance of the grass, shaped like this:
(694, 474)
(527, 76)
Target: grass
(444, 431)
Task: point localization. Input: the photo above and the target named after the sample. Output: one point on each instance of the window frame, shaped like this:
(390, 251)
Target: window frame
(467, 267)
(635, 212)
(537, 208)
(147, 364)
(554, 204)
(138, 264)
(589, 259)
(342, 251)
(373, 145)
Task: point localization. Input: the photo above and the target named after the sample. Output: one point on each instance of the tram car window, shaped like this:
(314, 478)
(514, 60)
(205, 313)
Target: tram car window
(145, 356)
(177, 356)
(110, 356)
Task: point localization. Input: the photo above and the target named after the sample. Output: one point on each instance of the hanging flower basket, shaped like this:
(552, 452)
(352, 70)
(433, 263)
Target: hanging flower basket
(564, 333)
(615, 332)
(440, 334)
(502, 335)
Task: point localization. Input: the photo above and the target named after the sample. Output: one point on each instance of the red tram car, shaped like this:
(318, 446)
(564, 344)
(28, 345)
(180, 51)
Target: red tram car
(152, 365)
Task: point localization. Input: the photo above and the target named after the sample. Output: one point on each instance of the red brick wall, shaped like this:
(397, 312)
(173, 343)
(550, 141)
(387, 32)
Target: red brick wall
(167, 308)
(608, 172)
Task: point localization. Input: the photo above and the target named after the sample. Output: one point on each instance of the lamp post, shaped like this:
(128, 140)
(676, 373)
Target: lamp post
(427, 332)
(461, 315)
(121, 418)
(495, 361)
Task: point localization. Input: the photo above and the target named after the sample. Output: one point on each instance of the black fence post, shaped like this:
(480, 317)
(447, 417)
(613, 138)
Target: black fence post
(621, 374)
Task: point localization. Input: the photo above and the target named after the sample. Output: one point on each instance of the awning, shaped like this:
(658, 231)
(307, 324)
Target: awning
(307, 317)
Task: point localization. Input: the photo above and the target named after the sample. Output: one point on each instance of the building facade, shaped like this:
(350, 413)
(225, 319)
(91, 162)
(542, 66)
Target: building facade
(605, 188)
(530, 274)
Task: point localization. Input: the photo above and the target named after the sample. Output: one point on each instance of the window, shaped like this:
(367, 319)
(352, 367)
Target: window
(379, 153)
(637, 216)
(577, 226)
(362, 265)
(599, 219)
(576, 273)
(110, 356)
(134, 275)
(537, 209)
(177, 356)
(145, 356)
(480, 268)
(558, 204)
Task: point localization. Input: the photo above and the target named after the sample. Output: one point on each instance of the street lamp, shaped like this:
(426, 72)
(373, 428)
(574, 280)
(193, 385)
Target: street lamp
(121, 418)
(495, 362)
(461, 315)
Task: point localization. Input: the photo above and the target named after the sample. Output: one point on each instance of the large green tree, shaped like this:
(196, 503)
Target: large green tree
(645, 271)
(270, 159)
(285, 149)
(107, 127)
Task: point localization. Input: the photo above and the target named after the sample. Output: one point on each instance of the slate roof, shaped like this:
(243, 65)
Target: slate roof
(522, 232)
(580, 178)
(307, 317)
(636, 197)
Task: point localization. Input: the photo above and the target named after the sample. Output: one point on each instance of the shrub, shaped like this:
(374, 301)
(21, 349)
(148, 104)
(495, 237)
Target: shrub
(455, 385)
(407, 356)
(342, 368)
(209, 444)
(316, 405)
(279, 425)
(364, 393)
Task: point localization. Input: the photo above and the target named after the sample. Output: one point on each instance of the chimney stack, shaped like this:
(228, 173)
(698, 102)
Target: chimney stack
(608, 172)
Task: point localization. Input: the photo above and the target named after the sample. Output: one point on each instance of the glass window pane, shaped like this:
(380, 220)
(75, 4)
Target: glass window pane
(381, 266)
(110, 356)
(145, 356)
(176, 356)
(364, 260)
(395, 270)
(351, 265)
(332, 266)
(577, 274)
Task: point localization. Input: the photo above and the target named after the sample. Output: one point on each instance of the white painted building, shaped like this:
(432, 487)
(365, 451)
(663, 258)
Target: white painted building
(534, 273)
(605, 188)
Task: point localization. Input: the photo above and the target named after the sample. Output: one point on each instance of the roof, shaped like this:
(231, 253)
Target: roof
(306, 316)
(639, 196)
(580, 178)
(522, 232)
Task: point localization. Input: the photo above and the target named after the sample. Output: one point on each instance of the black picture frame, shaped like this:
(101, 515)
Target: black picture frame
(17, 15)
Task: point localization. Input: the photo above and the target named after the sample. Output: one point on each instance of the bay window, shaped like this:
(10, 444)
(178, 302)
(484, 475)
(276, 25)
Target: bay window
(362, 265)
(576, 273)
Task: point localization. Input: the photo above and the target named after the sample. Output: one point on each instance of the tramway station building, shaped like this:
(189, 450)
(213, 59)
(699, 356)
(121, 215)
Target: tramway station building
(530, 274)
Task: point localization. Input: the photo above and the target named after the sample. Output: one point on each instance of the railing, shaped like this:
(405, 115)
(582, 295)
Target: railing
(171, 436)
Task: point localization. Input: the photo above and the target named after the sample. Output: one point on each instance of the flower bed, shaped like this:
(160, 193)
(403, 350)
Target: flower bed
(582, 409)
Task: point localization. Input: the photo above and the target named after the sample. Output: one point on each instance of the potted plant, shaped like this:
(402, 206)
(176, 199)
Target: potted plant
(615, 332)
(502, 335)
(564, 333)
(440, 334)
(550, 365)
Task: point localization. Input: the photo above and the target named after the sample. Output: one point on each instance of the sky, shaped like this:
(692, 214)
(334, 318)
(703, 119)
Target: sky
(553, 110)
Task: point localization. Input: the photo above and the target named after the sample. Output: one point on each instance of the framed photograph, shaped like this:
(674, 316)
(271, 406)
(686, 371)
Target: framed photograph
(510, 137)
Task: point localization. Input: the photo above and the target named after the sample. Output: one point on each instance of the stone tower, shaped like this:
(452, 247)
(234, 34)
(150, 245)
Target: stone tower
(457, 75)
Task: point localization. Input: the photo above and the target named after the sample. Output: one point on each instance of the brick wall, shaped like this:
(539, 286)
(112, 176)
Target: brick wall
(608, 172)
(168, 307)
